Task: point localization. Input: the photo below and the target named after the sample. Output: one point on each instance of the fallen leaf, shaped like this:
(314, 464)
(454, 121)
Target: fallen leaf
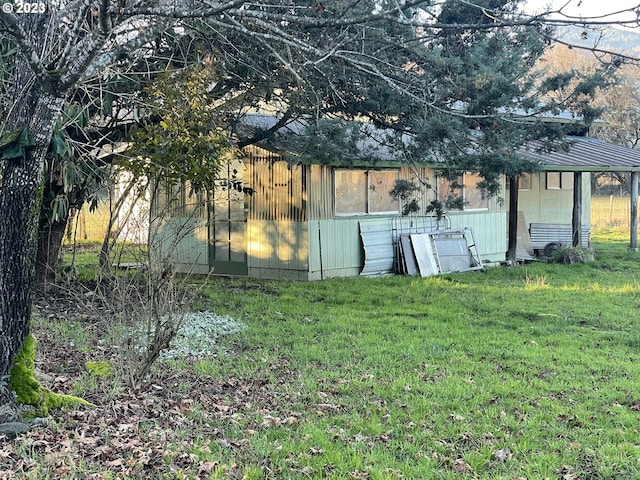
(461, 466)
(316, 450)
(502, 455)
(207, 467)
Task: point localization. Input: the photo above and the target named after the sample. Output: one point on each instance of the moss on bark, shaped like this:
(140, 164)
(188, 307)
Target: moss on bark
(27, 388)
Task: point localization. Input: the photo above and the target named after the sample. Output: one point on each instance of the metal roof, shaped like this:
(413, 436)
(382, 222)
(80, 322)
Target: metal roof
(586, 154)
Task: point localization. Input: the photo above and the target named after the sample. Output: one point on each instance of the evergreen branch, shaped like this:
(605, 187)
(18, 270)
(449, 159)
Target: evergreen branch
(263, 134)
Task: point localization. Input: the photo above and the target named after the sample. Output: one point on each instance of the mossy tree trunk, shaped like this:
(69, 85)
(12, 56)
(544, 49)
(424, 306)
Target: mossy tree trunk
(36, 106)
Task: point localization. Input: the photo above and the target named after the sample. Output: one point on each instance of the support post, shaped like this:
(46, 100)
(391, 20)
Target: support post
(513, 219)
(633, 224)
(576, 217)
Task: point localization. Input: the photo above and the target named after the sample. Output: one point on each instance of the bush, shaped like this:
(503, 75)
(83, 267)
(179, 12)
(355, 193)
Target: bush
(570, 255)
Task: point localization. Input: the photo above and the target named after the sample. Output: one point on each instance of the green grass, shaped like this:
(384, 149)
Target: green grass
(430, 378)
(528, 372)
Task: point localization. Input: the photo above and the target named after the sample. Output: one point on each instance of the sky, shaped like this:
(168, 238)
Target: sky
(585, 8)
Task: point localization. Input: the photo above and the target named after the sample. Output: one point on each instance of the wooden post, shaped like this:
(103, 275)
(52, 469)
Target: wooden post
(610, 210)
(576, 217)
(513, 219)
(633, 225)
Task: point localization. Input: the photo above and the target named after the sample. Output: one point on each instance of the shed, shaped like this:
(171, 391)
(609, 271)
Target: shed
(561, 193)
(274, 215)
(268, 217)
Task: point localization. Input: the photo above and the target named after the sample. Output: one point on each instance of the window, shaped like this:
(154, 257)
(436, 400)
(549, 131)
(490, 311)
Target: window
(351, 192)
(559, 181)
(380, 183)
(359, 192)
(462, 193)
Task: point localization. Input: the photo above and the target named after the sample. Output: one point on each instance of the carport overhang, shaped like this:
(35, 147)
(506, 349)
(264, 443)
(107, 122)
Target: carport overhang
(585, 154)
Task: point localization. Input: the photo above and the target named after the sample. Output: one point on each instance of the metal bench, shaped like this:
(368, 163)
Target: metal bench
(543, 234)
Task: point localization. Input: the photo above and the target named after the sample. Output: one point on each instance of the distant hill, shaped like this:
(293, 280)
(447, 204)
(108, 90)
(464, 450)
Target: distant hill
(616, 39)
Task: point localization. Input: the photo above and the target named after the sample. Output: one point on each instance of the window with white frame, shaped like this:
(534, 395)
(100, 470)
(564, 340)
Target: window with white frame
(361, 192)
(462, 193)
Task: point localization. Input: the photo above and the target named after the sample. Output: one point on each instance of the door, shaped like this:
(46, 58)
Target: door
(227, 221)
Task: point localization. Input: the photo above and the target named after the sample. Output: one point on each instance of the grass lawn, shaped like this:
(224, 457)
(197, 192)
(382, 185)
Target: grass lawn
(530, 372)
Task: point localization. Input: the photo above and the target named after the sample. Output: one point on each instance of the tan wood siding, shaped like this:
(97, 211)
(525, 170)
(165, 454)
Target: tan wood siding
(320, 181)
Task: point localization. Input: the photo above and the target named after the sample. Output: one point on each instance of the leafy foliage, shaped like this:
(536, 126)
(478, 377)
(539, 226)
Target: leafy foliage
(71, 179)
(181, 139)
(404, 190)
(13, 145)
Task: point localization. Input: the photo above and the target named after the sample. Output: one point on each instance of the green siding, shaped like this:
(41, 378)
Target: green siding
(335, 249)
(183, 241)
(553, 206)
(489, 230)
(277, 249)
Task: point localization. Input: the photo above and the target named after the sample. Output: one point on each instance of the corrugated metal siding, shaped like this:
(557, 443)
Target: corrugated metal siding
(279, 188)
(178, 200)
(378, 241)
(545, 233)
(320, 192)
(379, 236)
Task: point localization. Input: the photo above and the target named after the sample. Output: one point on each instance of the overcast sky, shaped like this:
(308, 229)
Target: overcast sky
(585, 8)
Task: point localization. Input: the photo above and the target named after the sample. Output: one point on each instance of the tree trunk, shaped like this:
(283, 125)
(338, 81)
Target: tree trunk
(50, 237)
(633, 207)
(19, 207)
(37, 105)
(17, 202)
